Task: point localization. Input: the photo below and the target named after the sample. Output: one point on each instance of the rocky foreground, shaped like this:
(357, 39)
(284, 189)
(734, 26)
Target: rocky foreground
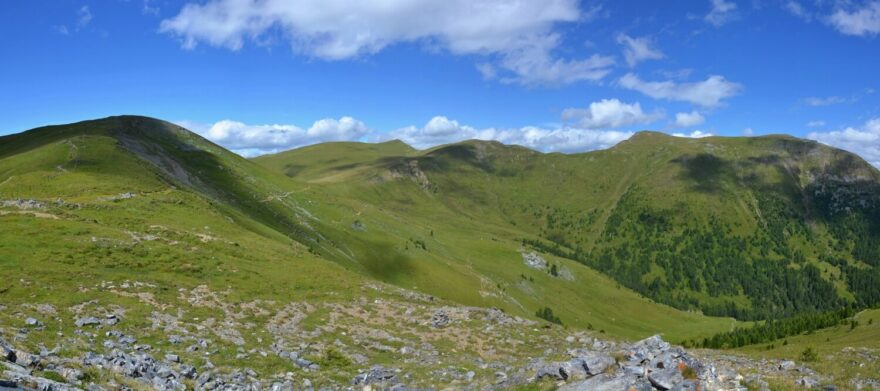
(396, 341)
(650, 364)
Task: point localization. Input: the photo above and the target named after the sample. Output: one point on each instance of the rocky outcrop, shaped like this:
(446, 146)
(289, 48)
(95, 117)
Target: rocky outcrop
(650, 364)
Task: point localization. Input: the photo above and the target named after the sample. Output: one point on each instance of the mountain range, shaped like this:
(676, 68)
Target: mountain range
(683, 237)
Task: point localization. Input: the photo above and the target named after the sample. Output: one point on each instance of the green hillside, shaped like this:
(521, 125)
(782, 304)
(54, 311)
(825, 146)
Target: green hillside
(745, 227)
(303, 248)
(126, 196)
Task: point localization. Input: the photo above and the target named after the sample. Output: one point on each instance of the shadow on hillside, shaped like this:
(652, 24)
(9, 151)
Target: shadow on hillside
(705, 171)
(384, 262)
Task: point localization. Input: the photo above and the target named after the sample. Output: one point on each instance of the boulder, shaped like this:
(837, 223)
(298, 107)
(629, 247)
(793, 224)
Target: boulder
(596, 363)
(33, 322)
(302, 363)
(551, 371)
(376, 375)
(787, 365)
(87, 321)
(26, 359)
(665, 379)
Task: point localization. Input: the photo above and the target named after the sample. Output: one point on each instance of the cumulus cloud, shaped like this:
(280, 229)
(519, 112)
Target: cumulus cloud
(708, 93)
(636, 50)
(860, 21)
(441, 130)
(694, 134)
(254, 140)
(251, 140)
(863, 140)
(610, 113)
(686, 120)
(721, 12)
(516, 36)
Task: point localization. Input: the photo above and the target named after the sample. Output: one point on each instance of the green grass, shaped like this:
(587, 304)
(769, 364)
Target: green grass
(280, 227)
(837, 348)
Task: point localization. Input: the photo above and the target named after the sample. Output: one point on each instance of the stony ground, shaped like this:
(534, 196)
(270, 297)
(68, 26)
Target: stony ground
(388, 338)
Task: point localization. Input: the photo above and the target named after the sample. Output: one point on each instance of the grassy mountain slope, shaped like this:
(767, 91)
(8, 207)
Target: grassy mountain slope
(127, 196)
(745, 227)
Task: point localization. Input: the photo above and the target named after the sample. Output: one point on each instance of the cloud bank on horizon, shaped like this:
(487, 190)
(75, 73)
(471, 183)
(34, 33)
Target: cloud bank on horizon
(552, 75)
(513, 42)
(254, 140)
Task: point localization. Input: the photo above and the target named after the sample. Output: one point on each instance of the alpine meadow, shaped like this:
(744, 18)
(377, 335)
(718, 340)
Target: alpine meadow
(634, 196)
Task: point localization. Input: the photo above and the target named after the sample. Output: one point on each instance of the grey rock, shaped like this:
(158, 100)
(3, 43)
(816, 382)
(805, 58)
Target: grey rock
(634, 370)
(688, 385)
(377, 375)
(302, 363)
(604, 382)
(665, 379)
(26, 359)
(596, 363)
(440, 319)
(188, 371)
(87, 321)
(7, 352)
(808, 382)
(286, 386)
(111, 320)
(500, 377)
(33, 322)
(787, 365)
(552, 371)
(172, 358)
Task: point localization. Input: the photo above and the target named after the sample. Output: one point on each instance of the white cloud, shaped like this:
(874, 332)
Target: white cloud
(441, 130)
(831, 100)
(748, 131)
(706, 93)
(686, 120)
(863, 140)
(636, 50)
(862, 21)
(796, 9)
(610, 113)
(83, 16)
(250, 140)
(150, 9)
(516, 36)
(721, 13)
(816, 124)
(531, 63)
(694, 134)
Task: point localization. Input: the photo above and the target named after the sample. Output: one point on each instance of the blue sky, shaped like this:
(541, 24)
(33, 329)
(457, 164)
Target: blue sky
(557, 75)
